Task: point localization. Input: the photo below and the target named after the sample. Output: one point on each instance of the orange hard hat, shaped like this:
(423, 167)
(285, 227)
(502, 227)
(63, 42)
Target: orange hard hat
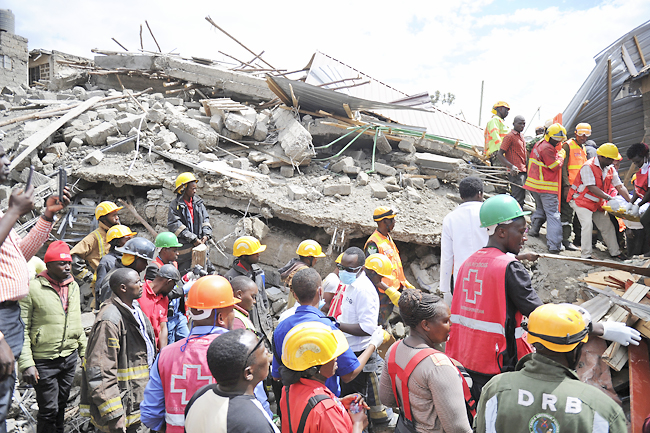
(211, 291)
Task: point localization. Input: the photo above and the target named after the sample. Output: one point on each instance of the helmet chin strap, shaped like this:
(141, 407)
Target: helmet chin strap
(204, 314)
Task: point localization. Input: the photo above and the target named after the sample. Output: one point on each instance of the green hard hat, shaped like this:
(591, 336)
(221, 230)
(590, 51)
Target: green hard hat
(167, 240)
(499, 209)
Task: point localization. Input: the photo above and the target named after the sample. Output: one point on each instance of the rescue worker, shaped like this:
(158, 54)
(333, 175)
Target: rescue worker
(308, 252)
(181, 369)
(121, 349)
(310, 356)
(333, 290)
(576, 156)
(168, 254)
(90, 250)
(136, 255)
(493, 293)
(381, 242)
(116, 237)
(545, 393)
(543, 182)
(512, 154)
(188, 219)
(154, 302)
(246, 291)
(589, 192)
(495, 130)
(246, 250)
(639, 154)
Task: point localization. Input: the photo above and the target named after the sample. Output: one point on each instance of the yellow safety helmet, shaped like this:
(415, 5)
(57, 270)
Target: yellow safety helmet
(340, 257)
(583, 129)
(380, 264)
(609, 150)
(556, 132)
(310, 248)
(183, 179)
(311, 344)
(383, 212)
(118, 231)
(499, 104)
(106, 207)
(247, 246)
(557, 327)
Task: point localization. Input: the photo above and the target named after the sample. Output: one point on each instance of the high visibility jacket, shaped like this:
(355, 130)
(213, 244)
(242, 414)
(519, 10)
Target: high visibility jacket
(544, 168)
(575, 159)
(581, 194)
(494, 132)
(387, 247)
(478, 338)
(641, 183)
(181, 375)
(244, 318)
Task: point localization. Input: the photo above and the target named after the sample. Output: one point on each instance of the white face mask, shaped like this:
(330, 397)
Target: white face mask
(204, 314)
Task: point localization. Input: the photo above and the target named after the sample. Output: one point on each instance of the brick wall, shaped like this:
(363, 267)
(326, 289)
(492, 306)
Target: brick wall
(13, 59)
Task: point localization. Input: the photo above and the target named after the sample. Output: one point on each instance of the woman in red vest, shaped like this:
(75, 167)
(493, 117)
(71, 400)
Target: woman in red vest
(639, 154)
(424, 382)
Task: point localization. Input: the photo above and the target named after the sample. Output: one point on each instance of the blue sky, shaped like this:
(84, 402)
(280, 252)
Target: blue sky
(413, 46)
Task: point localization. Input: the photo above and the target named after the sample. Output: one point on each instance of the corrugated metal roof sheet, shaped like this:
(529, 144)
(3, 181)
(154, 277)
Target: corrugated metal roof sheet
(325, 69)
(627, 103)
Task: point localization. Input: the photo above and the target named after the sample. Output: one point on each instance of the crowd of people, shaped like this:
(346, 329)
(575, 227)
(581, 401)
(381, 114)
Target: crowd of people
(185, 349)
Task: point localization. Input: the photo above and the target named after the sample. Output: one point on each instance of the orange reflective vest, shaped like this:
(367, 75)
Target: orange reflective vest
(575, 159)
(581, 194)
(641, 183)
(387, 247)
(542, 177)
(478, 312)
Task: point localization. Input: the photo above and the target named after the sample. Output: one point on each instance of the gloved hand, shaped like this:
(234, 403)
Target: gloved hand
(377, 337)
(620, 333)
(394, 295)
(634, 210)
(628, 207)
(614, 204)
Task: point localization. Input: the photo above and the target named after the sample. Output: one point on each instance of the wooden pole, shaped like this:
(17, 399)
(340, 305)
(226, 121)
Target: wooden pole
(480, 107)
(141, 44)
(609, 100)
(115, 40)
(154, 38)
(137, 216)
(638, 47)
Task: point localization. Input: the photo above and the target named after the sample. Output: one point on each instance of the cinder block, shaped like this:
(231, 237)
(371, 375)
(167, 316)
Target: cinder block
(384, 169)
(239, 124)
(363, 178)
(286, 170)
(97, 136)
(378, 191)
(296, 192)
(407, 146)
(340, 166)
(438, 162)
(95, 157)
(340, 189)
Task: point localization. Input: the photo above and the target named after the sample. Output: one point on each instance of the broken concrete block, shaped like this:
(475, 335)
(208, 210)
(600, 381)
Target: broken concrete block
(38, 179)
(413, 195)
(363, 178)
(235, 122)
(241, 163)
(286, 170)
(438, 162)
(274, 294)
(293, 137)
(340, 189)
(97, 136)
(256, 157)
(216, 121)
(50, 158)
(264, 169)
(174, 101)
(128, 122)
(393, 188)
(390, 180)
(76, 143)
(167, 137)
(407, 146)
(351, 169)
(229, 134)
(95, 157)
(261, 127)
(296, 192)
(279, 305)
(384, 169)
(428, 261)
(378, 191)
(433, 183)
(342, 164)
(197, 135)
(156, 115)
(107, 114)
(123, 148)
(59, 149)
(415, 182)
(383, 146)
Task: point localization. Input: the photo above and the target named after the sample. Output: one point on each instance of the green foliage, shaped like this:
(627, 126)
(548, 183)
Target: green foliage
(442, 98)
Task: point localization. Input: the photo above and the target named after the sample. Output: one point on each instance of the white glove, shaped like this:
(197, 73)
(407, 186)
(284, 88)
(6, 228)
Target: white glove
(634, 210)
(620, 333)
(628, 207)
(377, 337)
(614, 205)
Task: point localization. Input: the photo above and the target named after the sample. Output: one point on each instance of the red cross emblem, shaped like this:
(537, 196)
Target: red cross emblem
(472, 284)
(192, 381)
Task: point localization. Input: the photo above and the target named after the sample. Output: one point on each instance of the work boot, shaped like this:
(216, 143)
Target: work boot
(534, 228)
(621, 257)
(569, 246)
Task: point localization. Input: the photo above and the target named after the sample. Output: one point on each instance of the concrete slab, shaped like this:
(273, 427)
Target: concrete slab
(438, 162)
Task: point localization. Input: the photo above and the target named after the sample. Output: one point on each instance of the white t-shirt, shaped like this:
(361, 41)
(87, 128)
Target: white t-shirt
(288, 313)
(331, 283)
(360, 306)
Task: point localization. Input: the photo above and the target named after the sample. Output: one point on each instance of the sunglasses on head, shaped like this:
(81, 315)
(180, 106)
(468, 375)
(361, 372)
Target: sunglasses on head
(261, 338)
(353, 270)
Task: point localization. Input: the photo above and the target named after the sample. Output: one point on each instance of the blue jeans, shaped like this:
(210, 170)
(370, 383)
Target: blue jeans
(13, 329)
(546, 208)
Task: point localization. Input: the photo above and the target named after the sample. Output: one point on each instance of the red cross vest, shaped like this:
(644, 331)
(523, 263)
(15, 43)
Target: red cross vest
(182, 374)
(581, 194)
(641, 183)
(478, 312)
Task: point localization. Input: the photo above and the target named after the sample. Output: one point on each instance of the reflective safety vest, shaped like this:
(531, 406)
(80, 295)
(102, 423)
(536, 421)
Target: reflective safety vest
(543, 178)
(181, 375)
(244, 318)
(387, 247)
(575, 159)
(494, 132)
(641, 183)
(581, 194)
(478, 311)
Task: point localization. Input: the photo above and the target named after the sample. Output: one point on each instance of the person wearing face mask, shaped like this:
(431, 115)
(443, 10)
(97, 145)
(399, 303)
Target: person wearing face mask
(308, 252)
(545, 393)
(431, 390)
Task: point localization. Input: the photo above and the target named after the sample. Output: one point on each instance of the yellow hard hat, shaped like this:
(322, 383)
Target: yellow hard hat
(118, 231)
(310, 248)
(183, 179)
(247, 246)
(583, 129)
(499, 104)
(556, 132)
(383, 212)
(340, 257)
(559, 328)
(310, 344)
(609, 150)
(106, 207)
(380, 264)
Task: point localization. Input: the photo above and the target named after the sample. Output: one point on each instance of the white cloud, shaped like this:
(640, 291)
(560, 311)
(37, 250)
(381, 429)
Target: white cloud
(530, 57)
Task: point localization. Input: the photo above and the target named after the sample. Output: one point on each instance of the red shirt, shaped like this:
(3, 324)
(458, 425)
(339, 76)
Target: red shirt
(514, 147)
(327, 416)
(154, 307)
(190, 207)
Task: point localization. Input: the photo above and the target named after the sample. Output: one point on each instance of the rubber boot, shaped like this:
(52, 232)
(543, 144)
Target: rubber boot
(534, 227)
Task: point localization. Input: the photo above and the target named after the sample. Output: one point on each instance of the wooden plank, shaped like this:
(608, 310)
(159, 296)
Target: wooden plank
(638, 47)
(639, 386)
(199, 255)
(643, 327)
(628, 61)
(640, 270)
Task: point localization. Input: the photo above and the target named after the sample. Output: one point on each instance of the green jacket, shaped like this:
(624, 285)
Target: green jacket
(542, 395)
(50, 332)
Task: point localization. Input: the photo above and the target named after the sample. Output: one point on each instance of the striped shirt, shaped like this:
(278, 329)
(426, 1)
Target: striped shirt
(14, 253)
